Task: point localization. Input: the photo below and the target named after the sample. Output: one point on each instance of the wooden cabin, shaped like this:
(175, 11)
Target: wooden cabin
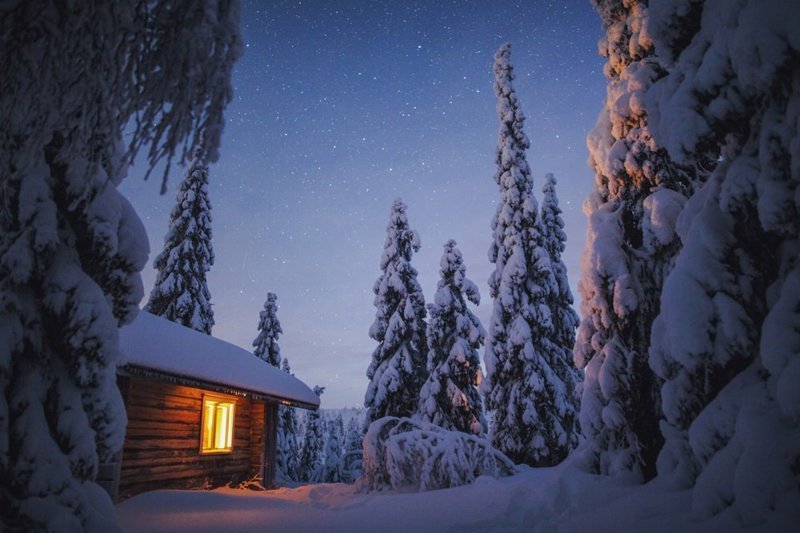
(201, 412)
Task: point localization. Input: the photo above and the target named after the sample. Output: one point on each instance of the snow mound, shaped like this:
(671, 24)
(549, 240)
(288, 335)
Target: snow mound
(400, 453)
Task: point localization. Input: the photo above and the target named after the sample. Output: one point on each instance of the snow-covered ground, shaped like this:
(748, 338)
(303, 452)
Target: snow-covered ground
(546, 499)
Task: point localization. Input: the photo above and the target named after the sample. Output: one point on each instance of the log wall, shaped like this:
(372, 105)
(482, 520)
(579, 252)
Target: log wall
(257, 431)
(270, 445)
(162, 442)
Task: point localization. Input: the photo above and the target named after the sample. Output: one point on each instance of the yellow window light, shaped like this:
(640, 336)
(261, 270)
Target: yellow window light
(217, 425)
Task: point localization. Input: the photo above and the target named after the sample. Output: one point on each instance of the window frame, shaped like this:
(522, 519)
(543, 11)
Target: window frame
(220, 399)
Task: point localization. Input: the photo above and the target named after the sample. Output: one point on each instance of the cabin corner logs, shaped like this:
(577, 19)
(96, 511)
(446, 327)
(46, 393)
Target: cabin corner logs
(162, 441)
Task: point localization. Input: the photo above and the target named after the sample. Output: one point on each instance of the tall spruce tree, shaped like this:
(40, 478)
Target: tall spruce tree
(397, 370)
(533, 407)
(266, 344)
(565, 319)
(71, 246)
(630, 246)
(727, 341)
(287, 455)
(180, 292)
(450, 397)
(313, 443)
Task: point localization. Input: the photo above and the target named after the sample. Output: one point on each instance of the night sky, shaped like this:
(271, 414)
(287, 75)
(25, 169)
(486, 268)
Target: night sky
(341, 107)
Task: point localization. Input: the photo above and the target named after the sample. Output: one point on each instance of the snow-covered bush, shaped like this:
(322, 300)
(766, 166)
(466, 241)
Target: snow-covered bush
(400, 453)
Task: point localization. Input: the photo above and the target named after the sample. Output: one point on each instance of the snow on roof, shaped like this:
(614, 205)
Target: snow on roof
(156, 343)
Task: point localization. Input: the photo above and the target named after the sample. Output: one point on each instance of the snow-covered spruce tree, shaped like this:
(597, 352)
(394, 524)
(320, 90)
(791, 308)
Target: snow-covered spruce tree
(340, 428)
(630, 245)
(565, 319)
(450, 397)
(727, 341)
(313, 443)
(353, 452)
(266, 347)
(71, 246)
(533, 406)
(353, 435)
(397, 370)
(300, 431)
(269, 330)
(180, 292)
(330, 470)
(287, 456)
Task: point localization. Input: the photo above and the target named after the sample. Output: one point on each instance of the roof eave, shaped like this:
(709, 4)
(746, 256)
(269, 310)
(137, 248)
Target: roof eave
(160, 375)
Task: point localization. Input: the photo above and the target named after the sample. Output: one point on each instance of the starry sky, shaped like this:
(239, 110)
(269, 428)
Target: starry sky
(342, 106)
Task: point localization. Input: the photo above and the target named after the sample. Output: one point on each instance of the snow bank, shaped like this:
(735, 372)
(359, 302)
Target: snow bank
(158, 344)
(562, 499)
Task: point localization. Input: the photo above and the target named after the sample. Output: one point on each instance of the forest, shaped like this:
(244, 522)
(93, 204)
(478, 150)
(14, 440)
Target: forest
(675, 368)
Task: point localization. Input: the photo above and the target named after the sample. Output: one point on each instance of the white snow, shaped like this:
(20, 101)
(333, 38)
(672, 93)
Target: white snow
(405, 454)
(562, 498)
(156, 343)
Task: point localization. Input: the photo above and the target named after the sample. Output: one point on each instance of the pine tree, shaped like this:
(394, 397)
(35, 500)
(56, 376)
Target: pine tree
(331, 469)
(450, 397)
(269, 330)
(630, 246)
(287, 456)
(397, 369)
(71, 246)
(565, 319)
(727, 340)
(180, 292)
(313, 444)
(533, 407)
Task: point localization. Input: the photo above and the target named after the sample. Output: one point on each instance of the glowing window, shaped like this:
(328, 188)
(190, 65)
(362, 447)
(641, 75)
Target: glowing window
(217, 435)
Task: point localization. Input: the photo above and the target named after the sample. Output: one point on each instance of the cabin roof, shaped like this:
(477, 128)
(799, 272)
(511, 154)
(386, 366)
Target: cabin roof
(156, 343)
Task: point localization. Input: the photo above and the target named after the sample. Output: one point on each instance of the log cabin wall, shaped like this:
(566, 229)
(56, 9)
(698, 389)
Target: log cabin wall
(257, 429)
(270, 445)
(162, 442)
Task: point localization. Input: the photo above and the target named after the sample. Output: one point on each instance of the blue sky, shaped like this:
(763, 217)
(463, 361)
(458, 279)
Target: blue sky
(341, 107)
